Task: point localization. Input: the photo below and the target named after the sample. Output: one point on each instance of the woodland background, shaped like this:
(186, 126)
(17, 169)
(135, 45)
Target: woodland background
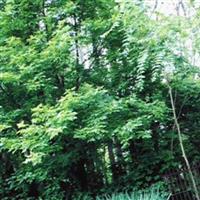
(84, 102)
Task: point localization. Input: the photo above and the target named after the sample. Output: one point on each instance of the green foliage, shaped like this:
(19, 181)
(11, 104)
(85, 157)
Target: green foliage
(84, 105)
(150, 194)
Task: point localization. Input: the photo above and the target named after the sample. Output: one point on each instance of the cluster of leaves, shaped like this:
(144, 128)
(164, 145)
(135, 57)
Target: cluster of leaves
(83, 101)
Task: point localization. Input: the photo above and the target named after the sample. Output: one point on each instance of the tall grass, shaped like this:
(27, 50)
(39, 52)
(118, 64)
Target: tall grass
(151, 194)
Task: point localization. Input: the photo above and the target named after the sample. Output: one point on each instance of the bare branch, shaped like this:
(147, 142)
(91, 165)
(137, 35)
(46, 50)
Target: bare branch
(181, 144)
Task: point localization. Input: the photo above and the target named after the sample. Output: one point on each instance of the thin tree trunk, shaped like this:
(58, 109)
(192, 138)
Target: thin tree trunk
(76, 30)
(82, 175)
(155, 136)
(95, 177)
(100, 168)
(181, 144)
(112, 161)
(120, 158)
(44, 20)
(104, 165)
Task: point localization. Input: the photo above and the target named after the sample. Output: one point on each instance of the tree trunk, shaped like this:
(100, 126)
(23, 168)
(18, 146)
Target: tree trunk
(112, 161)
(155, 136)
(81, 174)
(120, 159)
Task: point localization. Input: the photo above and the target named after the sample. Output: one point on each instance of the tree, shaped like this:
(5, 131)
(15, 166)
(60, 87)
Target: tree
(83, 103)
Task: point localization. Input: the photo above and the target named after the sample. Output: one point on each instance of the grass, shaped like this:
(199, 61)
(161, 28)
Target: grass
(154, 193)
(151, 194)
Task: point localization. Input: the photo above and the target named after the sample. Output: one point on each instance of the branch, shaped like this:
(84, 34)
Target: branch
(181, 144)
(155, 6)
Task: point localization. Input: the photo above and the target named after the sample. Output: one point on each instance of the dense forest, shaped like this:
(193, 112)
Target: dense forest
(87, 94)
